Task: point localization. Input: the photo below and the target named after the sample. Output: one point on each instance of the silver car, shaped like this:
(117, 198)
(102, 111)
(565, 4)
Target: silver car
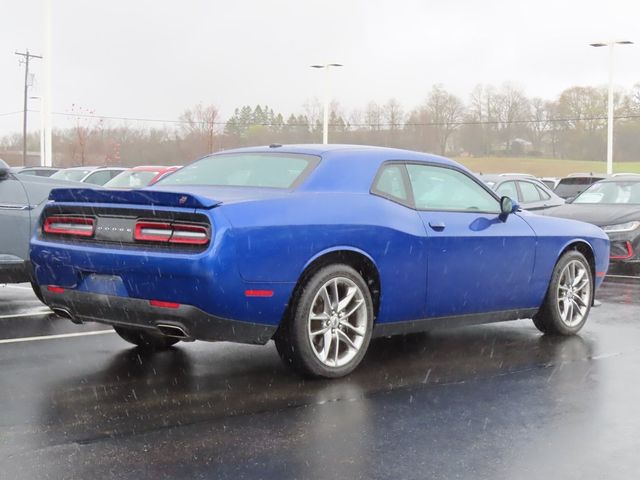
(22, 198)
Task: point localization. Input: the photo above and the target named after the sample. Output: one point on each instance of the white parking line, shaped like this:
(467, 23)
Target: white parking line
(54, 337)
(28, 314)
(624, 276)
(19, 287)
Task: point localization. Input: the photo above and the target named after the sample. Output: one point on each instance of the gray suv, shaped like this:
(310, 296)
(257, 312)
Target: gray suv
(22, 198)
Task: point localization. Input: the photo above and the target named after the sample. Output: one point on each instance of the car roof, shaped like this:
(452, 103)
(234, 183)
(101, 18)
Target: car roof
(148, 168)
(86, 167)
(497, 177)
(621, 178)
(346, 151)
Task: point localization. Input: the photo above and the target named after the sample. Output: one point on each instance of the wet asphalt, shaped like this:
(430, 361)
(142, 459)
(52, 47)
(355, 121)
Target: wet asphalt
(496, 401)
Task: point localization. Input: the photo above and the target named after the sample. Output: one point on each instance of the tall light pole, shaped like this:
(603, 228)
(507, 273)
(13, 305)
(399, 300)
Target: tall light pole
(325, 123)
(41, 130)
(610, 44)
(45, 104)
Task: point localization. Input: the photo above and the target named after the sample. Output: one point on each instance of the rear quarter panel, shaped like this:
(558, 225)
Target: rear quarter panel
(276, 239)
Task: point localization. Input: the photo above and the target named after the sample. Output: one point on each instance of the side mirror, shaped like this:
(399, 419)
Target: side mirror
(508, 206)
(4, 170)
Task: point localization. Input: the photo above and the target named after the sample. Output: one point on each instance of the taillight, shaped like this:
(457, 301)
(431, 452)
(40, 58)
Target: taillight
(76, 226)
(163, 232)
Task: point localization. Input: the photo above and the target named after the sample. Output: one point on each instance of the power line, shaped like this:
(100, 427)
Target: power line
(380, 124)
(10, 113)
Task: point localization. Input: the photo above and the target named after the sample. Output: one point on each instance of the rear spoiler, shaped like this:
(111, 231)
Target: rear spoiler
(132, 197)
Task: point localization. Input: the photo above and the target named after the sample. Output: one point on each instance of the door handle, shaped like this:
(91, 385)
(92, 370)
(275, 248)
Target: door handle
(438, 226)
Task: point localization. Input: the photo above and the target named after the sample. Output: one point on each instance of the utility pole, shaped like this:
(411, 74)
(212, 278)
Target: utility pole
(27, 57)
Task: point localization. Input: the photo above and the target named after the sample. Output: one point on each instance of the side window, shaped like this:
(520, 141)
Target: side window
(441, 188)
(543, 195)
(391, 184)
(508, 189)
(529, 192)
(99, 178)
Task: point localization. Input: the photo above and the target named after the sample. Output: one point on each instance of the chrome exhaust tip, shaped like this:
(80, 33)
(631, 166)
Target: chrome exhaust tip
(174, 331)
(64, 313)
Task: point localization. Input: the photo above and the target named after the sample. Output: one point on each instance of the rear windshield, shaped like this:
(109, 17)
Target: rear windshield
(132, 179)
(572, 186)
(271, 170)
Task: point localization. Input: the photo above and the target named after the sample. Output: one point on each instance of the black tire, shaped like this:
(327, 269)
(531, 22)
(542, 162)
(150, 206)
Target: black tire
(292, 339)
(549, 318)
(144, 339)
(37, 291)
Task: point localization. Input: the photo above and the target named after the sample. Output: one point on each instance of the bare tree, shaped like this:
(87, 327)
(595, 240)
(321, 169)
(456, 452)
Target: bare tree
(446, 112)
(393, 114)
(511, 110)
(373, 116)
(201, 122)
(540, 124)
(84, 126)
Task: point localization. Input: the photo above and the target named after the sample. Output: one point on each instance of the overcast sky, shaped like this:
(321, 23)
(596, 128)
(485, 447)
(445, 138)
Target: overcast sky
(152, 59)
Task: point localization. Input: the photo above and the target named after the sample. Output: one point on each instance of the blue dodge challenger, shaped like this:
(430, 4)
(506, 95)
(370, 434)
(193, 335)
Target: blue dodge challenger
(319, 247)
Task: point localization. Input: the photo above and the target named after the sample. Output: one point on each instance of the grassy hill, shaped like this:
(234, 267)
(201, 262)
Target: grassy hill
(543, 167)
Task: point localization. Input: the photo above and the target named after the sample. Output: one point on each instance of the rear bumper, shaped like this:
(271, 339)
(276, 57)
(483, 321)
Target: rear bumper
(139, 313)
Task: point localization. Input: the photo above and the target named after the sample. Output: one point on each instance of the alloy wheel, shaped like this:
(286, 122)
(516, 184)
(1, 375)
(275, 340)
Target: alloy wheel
(337, 322)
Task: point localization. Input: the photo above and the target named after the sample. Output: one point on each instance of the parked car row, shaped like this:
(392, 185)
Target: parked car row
(530, 192)
(135, 177)
(24, 192)
(611, 202)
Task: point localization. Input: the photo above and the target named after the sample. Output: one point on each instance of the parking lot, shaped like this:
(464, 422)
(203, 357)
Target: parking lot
(494, 401)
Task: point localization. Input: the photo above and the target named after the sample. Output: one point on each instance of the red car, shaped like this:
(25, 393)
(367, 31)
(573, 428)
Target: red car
(138, 177)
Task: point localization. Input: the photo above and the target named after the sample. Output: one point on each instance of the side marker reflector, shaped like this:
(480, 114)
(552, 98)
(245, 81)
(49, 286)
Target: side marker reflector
(258, 293)
(55, 289)
(161, 304)
(600, 274)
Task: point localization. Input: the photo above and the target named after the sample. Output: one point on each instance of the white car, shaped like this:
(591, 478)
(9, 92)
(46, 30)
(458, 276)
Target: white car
(92, 175)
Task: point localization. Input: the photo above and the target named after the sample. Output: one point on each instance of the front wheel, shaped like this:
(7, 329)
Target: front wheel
(569, 297)
(144, 339)
(329, 329)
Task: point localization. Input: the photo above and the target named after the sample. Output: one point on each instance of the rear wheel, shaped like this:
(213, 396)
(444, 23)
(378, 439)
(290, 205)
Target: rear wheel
(330, 326)
(569, 297)
(145, 339)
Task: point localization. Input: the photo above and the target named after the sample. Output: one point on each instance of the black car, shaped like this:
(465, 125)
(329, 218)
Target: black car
(530, 192)
(575, 184)
(614, 205)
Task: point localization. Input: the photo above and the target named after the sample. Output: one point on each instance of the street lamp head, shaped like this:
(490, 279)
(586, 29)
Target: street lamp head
(617, 42)
(327, 65)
